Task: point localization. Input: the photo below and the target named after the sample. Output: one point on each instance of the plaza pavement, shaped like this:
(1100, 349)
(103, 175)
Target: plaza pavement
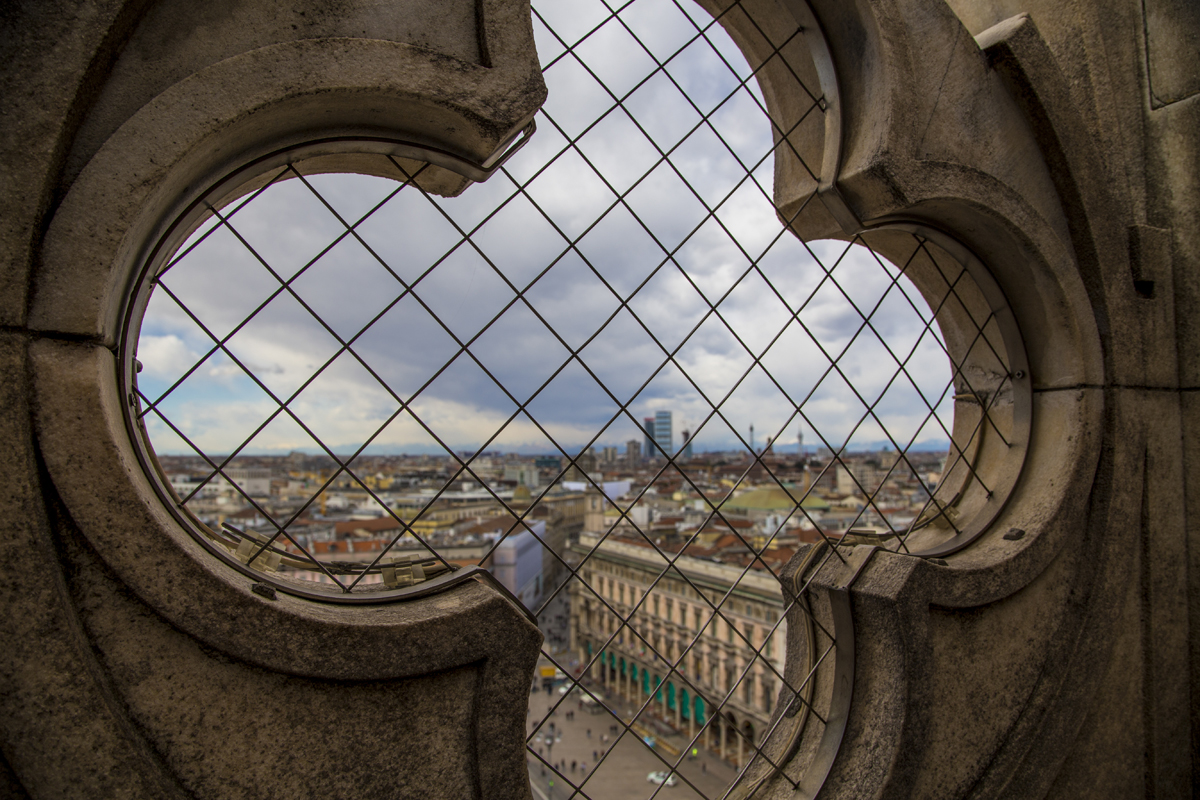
(622, 775)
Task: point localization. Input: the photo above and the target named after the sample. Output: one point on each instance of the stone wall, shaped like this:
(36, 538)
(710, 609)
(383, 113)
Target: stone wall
(1059, 142)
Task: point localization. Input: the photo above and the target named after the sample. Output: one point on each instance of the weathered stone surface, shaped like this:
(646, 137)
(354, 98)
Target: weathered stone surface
(175, 39)
(226, 728)
(62, 732)
(1172, 49)
(135, 705)
(1190, 412)
(1053, 139)
(471, 631)
(45, 53)
(171, 127)
(1106, 418)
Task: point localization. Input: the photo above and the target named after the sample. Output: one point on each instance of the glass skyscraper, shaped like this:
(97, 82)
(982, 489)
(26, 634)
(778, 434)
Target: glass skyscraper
(663, 432)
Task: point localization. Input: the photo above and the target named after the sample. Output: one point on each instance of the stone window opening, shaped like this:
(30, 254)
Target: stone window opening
(970, 410)
(922, 506)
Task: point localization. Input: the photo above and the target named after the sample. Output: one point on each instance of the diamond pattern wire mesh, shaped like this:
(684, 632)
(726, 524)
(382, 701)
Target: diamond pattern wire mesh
(629, 257)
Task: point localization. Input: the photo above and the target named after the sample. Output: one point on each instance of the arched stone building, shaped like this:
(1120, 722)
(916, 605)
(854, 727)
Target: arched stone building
(1052, 655)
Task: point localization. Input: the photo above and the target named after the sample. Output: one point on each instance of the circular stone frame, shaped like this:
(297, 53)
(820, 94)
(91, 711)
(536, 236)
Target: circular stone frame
(1001, 463)
(145, 175)
(323, 156)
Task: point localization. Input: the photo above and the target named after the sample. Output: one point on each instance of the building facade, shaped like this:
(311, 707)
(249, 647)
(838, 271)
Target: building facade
(715, 675)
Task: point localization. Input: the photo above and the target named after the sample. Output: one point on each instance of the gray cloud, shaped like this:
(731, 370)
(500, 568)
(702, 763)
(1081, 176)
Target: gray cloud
(663, 214)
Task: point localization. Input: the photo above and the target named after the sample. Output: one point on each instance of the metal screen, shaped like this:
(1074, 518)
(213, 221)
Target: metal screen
(351, 383)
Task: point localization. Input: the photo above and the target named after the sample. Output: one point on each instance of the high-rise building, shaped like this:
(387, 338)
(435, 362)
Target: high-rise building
(687, 446)
(664, 434)
(648, 427)
(633, 453)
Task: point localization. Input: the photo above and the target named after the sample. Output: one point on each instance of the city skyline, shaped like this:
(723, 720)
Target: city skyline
(622, 261)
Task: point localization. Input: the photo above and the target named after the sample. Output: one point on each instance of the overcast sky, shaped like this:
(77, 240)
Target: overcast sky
(713, 231)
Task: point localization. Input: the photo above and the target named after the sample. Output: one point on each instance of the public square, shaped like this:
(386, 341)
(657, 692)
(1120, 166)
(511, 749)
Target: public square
(622, 775)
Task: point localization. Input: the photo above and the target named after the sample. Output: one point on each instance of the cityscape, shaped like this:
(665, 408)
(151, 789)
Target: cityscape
(584, 543)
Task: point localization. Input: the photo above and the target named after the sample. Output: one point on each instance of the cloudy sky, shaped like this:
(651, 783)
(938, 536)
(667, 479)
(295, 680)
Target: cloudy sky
(671, 237)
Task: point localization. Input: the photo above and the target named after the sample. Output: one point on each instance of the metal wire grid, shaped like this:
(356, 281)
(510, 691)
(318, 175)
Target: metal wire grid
(626, 619)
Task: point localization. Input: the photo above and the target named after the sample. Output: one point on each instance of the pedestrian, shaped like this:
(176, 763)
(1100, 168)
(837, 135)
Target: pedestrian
(573, 764)
(595, 756)
(583, 767)
(589, 732)
(704, 767)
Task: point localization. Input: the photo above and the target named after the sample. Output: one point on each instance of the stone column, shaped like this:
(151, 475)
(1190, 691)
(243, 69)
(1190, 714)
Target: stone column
(720, 736)
(741, 743)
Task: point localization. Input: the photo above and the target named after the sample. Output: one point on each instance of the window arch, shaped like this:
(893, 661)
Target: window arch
(627, 265)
